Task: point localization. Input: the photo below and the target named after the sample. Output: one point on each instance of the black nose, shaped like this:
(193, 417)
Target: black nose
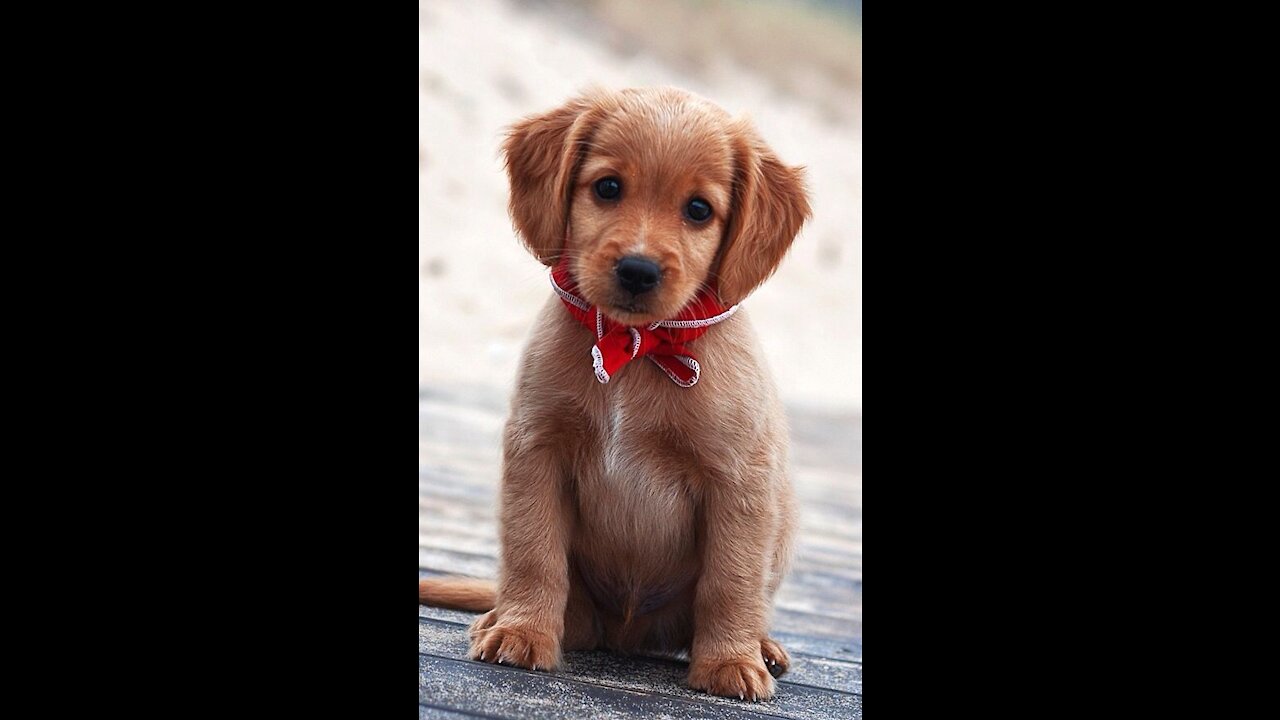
(638, 275)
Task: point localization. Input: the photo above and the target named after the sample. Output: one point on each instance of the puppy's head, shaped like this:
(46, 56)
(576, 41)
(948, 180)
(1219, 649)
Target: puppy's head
(652, 194)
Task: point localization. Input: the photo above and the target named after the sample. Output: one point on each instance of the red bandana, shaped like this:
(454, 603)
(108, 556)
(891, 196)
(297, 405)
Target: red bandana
(662, 342)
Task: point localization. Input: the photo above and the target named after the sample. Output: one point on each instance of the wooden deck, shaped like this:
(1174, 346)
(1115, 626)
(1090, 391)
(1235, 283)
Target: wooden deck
(819, 609)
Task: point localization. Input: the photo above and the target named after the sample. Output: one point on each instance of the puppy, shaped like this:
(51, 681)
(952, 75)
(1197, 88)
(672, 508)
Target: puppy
(645, 500)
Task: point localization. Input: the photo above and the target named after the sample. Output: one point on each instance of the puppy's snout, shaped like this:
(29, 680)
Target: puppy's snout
(638, 275)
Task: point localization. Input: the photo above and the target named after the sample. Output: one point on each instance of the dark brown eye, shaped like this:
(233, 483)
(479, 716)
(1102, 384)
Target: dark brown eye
(698, 210)
(608, 188)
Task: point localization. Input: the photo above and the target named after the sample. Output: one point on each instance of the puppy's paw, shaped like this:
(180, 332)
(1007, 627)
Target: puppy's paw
(518, 645)
(482, 623)
(776, 659)
(744, 678)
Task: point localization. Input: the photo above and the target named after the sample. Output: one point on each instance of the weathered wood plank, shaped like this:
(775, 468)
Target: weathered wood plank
(457, 617)
(515, 693)
(449, 639)
(472, 564)
(842, 649)
(803, 623)
(848, 649)
(835, 631)
(818, 615)
(429, 712)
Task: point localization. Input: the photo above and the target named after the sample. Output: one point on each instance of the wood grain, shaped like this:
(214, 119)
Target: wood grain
(818, 617)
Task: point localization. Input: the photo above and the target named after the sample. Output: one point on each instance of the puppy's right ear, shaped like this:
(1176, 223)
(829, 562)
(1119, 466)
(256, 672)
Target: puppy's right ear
(543, 153)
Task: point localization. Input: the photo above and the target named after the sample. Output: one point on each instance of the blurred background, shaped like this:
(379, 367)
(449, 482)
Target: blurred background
(794, 67)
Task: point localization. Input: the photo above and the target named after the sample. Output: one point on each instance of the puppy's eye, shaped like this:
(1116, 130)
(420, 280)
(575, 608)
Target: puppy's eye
(698, 210)
(608, 188)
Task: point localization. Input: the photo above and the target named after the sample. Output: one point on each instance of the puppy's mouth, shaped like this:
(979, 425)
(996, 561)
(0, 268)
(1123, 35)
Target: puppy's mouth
(632, 314)
(635, 311)
(633, 308)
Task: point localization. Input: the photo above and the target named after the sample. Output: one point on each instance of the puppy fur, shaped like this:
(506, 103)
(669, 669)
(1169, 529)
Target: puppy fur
(640, 516)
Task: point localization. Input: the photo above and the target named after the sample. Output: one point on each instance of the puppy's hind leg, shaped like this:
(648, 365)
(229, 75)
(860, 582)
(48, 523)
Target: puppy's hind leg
(582, 628)
(775, 657)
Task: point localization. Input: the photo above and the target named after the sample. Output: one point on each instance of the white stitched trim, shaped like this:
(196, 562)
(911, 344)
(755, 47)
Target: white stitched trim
(676, 324)
(688, 362)
(692, 364)
(570, 297)
(597, 360)
(597, 363)
(686, 324)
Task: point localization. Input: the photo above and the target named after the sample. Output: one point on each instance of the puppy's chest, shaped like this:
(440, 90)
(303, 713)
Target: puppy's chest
(626, 443)
(639, 476)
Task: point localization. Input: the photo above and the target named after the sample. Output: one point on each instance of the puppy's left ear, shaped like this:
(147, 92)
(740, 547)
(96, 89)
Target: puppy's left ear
(769, 206)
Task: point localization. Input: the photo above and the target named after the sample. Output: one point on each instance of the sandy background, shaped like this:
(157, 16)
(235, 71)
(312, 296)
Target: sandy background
(795, 69)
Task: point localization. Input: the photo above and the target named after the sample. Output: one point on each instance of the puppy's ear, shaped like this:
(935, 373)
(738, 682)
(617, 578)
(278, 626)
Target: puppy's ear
(543, 153)
(769, 206)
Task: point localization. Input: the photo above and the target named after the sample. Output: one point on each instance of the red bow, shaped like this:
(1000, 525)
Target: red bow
(662, 342)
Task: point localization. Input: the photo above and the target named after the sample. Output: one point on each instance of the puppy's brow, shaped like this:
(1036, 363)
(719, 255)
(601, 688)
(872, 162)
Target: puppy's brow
(714, 191)
(600, 164)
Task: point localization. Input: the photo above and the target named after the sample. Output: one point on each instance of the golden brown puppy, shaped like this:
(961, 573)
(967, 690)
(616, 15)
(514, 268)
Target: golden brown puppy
(645, 505)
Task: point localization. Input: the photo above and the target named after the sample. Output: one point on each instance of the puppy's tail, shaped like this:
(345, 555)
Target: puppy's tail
(458, 593)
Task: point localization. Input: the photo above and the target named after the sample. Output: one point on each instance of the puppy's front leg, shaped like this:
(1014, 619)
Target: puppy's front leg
(731, 608)
(527, 624)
